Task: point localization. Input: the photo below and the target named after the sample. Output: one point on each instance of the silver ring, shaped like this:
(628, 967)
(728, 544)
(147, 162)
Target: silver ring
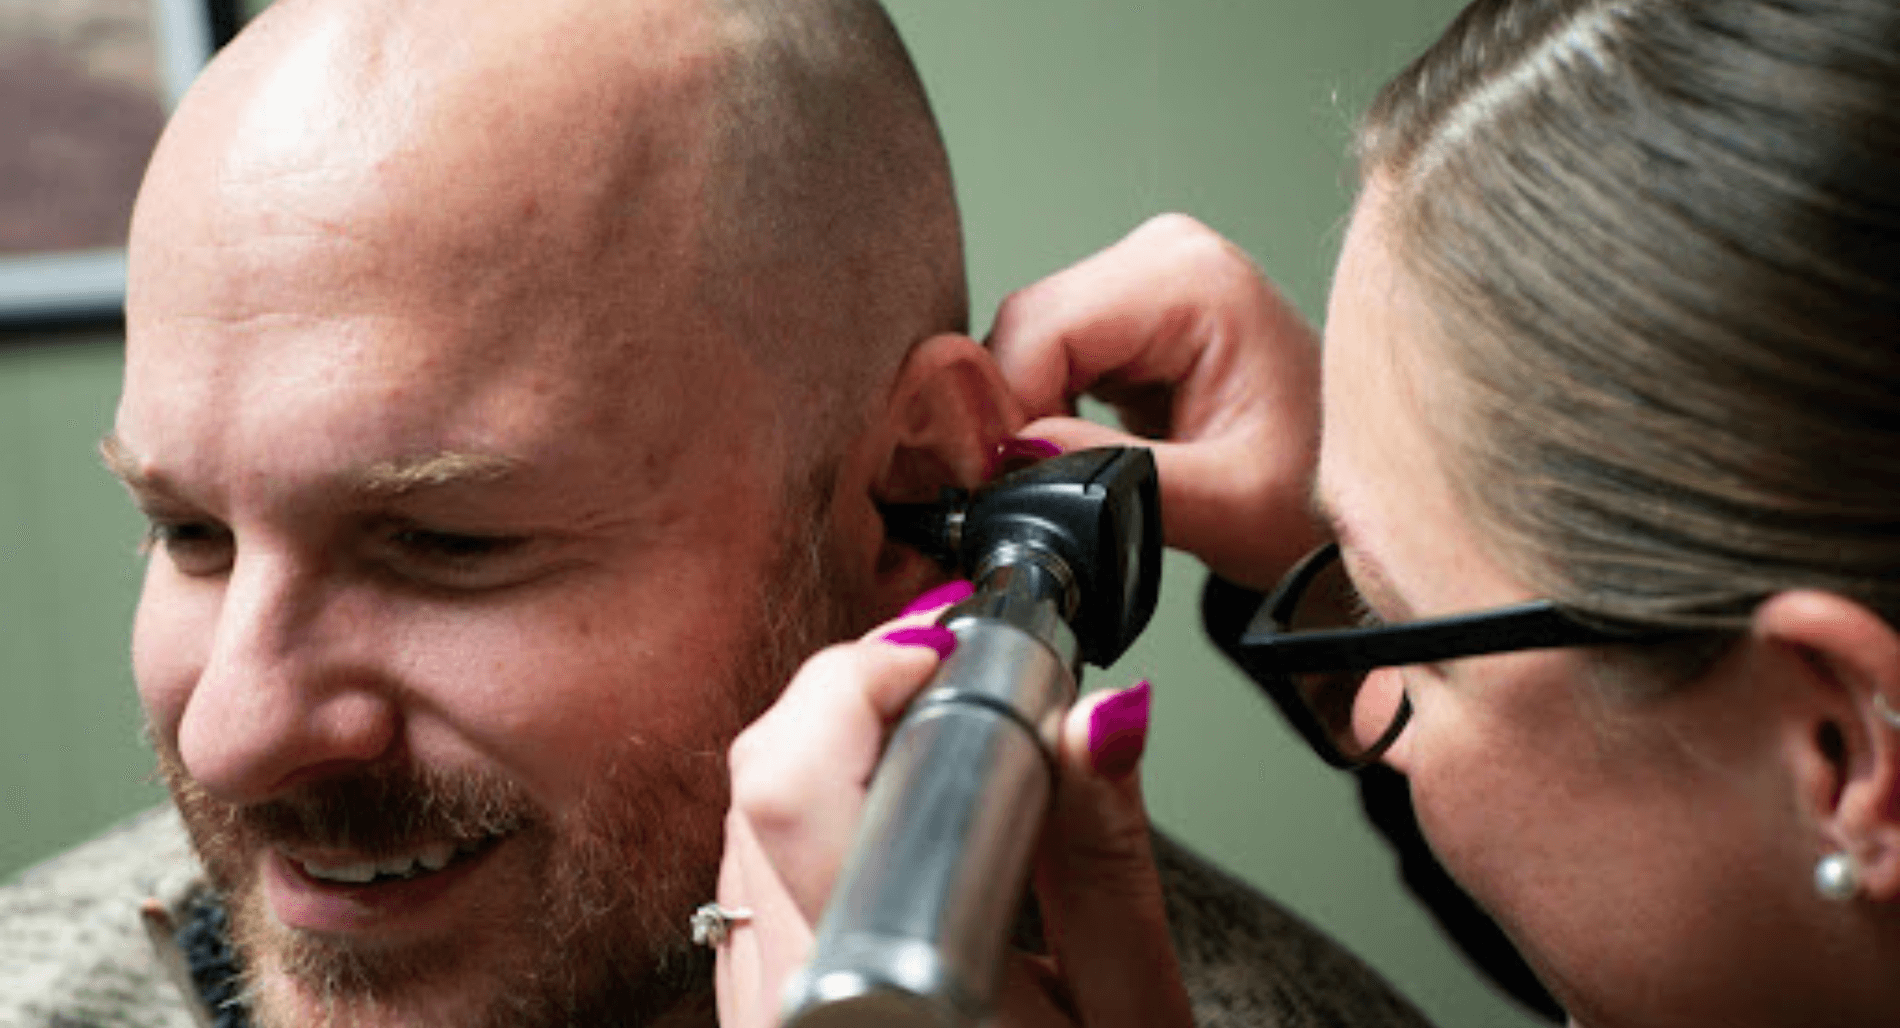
(712, 923)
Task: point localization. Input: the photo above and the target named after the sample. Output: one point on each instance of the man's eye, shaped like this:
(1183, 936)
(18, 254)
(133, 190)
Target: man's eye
(197, 548)
(455, 547)
(457, 560)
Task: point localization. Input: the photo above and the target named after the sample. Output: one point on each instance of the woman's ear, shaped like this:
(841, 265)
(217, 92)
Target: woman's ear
(949, 412)
(1848, 744)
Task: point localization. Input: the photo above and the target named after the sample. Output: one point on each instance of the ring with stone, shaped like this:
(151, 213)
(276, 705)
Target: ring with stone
(712, 923)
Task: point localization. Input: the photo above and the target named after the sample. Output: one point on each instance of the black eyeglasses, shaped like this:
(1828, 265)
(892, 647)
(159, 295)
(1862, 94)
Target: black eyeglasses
(1308, 649)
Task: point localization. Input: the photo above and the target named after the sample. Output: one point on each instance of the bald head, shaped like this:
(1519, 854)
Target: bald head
(766, 171)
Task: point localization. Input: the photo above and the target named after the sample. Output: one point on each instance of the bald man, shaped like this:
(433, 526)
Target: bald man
(509, 388)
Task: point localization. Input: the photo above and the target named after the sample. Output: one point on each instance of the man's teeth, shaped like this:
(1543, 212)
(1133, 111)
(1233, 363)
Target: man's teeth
(433, 857)
(355, 874)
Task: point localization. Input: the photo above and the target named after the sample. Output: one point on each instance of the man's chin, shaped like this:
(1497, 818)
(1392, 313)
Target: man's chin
(296, 977)
(279, 999)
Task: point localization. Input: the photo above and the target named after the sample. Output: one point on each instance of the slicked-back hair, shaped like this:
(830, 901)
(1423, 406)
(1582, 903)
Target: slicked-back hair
(1662, 242)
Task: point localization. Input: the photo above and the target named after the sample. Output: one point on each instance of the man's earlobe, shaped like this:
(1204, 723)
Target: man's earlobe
(949, 413)
(1850, 749)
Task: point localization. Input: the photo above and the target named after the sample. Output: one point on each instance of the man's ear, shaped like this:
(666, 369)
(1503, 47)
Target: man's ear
(1847, 744)
(949, 412)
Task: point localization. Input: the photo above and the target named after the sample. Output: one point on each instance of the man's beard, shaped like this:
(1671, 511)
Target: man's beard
(601, 939)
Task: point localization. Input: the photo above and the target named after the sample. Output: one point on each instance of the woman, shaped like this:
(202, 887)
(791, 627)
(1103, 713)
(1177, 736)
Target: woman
(1616, 333)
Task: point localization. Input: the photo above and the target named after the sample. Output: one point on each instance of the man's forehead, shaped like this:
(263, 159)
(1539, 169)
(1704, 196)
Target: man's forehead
(372, 80)
(520, 140)
(435, 383)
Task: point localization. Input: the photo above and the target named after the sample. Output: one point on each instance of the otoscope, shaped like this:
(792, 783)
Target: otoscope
(1065, 556)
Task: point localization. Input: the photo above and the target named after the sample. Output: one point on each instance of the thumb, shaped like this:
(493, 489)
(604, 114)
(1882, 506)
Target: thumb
(1106, 921)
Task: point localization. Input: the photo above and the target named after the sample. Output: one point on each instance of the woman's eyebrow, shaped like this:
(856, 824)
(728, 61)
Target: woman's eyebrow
(1325, 513)
(1368, 574)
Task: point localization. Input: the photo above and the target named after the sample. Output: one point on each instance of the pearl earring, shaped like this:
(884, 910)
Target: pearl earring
(1835, 877)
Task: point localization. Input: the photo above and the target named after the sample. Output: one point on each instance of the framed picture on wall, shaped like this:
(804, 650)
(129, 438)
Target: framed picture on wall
(85, 86)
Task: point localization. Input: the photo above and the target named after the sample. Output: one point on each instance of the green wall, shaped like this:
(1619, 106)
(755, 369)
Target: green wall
(70, 756)
(1068, 122)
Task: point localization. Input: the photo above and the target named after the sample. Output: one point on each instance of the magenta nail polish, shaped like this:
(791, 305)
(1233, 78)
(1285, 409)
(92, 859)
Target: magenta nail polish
(1118, 731)
(1034, 449)
(1018, 453)
(955, 591)
(935, 637)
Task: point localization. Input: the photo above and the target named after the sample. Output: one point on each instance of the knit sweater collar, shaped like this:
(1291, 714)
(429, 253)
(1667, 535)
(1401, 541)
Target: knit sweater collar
(202, 935)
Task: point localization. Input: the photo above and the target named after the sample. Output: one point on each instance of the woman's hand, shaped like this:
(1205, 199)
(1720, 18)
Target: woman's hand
(1176, 328)
(799, 776)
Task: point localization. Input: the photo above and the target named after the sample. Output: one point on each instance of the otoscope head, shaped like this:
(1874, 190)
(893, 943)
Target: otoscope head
(1096, 513)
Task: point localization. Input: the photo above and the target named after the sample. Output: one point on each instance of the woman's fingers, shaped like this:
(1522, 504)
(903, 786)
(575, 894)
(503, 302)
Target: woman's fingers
(1202, 357)
(760, 955)
(800, 771)
(1136, 313)
(1101, 899)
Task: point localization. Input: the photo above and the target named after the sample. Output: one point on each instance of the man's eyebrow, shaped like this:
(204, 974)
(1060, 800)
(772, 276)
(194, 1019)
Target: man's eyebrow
(124, 464)
(384, 478)
(406, 475)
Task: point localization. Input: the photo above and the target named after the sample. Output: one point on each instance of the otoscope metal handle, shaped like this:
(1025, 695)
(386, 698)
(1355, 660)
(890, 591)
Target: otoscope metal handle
(915, 930)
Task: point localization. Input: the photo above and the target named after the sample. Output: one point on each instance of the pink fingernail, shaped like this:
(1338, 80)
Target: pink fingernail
(1017, 453)
(1118, 731)
(1027, 446)
(935, 637)
(954, 591)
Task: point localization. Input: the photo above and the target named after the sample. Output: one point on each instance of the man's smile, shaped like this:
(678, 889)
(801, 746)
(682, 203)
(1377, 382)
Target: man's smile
(335, 893)
(432, 857)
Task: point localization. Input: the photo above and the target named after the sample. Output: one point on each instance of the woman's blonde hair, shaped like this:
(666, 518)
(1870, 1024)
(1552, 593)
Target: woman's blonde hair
(1663, 241)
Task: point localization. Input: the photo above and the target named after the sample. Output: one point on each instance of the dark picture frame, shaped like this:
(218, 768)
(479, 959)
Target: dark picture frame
(85, 86)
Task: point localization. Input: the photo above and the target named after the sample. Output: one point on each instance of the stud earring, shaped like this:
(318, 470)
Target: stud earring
(1835, 877)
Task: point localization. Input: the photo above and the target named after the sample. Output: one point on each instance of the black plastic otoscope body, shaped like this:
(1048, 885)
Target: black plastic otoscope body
(1066, 559)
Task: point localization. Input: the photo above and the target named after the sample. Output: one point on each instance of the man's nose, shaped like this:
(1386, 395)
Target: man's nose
(289, 690)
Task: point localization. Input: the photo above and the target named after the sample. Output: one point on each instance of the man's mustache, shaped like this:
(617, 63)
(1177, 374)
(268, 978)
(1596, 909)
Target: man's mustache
(373, 811)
